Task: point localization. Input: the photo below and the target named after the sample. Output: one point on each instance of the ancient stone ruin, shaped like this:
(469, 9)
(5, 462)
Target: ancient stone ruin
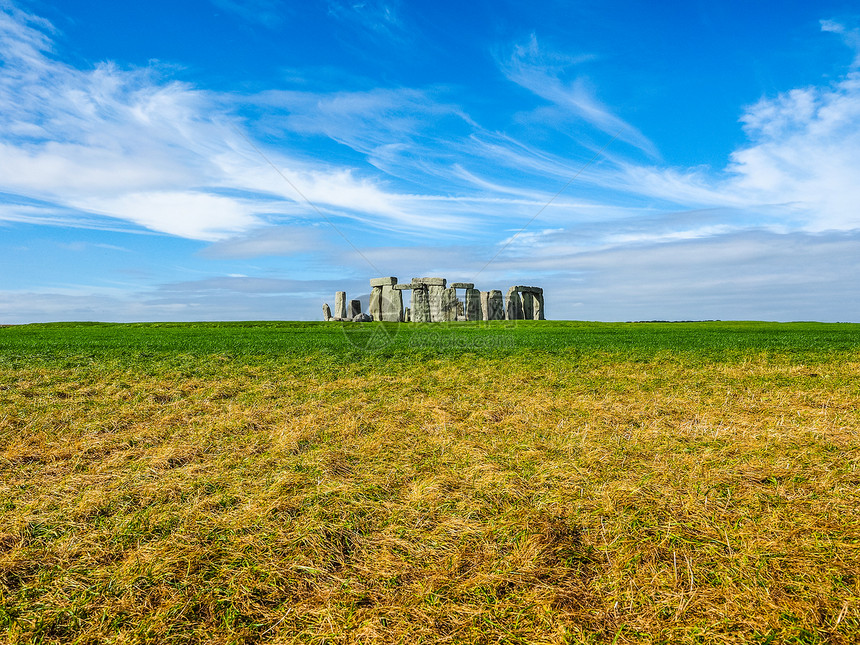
(434, 300)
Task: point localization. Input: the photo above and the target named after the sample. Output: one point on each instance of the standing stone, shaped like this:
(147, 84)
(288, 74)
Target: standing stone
(354, 309)
(472, 307)
(391, 304)
(375, 306)
(528, 305)
(495, 305)
(539, 312)
(326, 312)
(420, 311)
(406, 315)
(485, 305)
(449, 305)
(436, 296)
(435, 288)
(340, 305)
(513, 305)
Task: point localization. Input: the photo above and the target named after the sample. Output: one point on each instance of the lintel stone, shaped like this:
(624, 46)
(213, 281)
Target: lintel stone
(402, 287)
(430, 282)
(383, 282)
(522, 289)
(462, 285)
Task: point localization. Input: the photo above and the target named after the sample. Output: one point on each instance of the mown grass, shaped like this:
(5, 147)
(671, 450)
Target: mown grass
(557, 482)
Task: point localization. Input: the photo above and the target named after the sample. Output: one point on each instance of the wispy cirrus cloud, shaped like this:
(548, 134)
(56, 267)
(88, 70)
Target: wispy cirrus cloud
(375, 17)
(87, 146)
(130, 145)
(542, 72)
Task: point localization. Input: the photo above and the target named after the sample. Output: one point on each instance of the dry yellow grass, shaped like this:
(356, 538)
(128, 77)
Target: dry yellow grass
(478, 500)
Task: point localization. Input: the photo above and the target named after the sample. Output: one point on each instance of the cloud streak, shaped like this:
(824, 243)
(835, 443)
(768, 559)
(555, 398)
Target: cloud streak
(541, 73)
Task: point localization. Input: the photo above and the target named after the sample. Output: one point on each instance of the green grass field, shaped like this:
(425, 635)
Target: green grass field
(541, 482)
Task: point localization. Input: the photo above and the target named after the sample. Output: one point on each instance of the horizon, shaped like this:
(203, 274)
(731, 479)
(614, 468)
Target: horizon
(226, 161)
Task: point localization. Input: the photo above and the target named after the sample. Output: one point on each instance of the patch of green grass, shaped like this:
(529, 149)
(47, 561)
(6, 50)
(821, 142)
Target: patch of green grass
(349, 341)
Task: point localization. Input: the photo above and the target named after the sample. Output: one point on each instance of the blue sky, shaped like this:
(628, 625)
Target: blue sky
(227, 160)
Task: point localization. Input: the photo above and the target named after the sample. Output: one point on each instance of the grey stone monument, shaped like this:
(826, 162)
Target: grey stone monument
(375, 306)
(485, 305)
(354, 309)
(386, 302)
(528, 305)
(340, 305)
(433, 300)
(495, 306)
(463, 306)
(420, 311)
(436, 295)
(388, 281)
(435, 288)
(449, 305)
(392, 304)
(513, 305)
(472, 305)
(532, 302)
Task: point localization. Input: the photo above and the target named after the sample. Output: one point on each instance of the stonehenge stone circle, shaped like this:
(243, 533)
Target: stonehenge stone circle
(434, 300)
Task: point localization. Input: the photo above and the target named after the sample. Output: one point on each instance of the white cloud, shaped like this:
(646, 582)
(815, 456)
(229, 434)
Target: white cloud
(798, 169)
(850, 36)
(805, 150)
(541, 72)
(193, 215)
(160, 154)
